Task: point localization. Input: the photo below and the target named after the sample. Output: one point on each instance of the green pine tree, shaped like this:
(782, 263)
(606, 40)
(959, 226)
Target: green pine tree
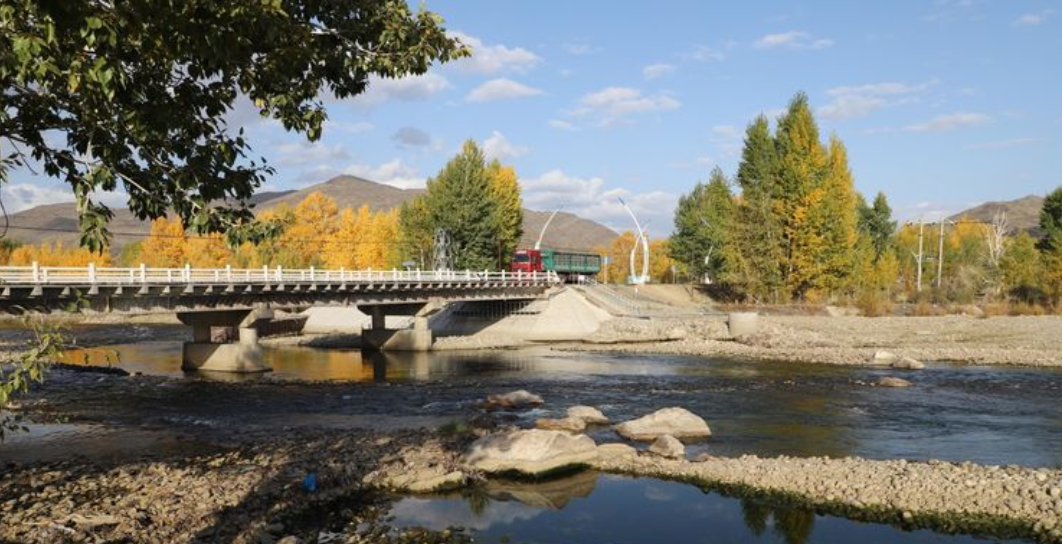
(703, 222)
(459, 201)
(757, 233)
(876, 222)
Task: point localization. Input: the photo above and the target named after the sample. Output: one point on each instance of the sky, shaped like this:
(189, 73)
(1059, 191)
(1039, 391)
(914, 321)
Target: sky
(942, 104)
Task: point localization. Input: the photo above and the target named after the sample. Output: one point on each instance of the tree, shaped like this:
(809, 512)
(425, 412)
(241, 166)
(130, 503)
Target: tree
(1022, 270)
(508, 210)
(838, 220)
(56, 254)
(1051, 221)
(757, 237)
(798, 195)
(165, 246)
(342, 246)
(459, 202)
(416, 233)
(703, 222)
(312, 224)
(208, 251)
(876, 221)
(134, 94)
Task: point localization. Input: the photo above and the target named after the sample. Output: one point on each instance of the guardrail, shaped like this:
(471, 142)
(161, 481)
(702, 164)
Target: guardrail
(93, 275)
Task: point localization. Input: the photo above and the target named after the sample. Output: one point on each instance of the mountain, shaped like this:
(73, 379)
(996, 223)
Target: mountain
(567, 231)
(1023, 214)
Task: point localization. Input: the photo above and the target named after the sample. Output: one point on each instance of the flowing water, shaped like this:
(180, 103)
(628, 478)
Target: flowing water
(986, 414)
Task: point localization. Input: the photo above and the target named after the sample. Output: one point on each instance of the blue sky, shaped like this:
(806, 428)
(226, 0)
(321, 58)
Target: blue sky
(942, 104)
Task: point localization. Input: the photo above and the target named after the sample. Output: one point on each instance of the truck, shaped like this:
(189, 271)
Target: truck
(570, 266)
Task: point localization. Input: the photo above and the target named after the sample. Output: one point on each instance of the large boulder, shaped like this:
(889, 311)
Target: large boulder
(889, 381)
(882, 357)
(532, 452)
(677, 422)
(907, 363)
(568, 424)
(514, 399)
(615, 450)
(589, 414)
(668, 446)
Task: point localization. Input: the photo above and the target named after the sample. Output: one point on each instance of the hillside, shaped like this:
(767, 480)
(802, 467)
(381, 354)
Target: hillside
(1023, 214)
(567, 231)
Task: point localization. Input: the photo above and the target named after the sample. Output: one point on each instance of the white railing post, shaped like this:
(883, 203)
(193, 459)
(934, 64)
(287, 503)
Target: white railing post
(36, 272)
(370, 274)
(187, 273)
(92, 273)
(394, 274)
(44, 274)
(265, 273)
(228, 273)
(280, 273)
(217, 275)
(132, 275)
(534, 275)
(342, 274)
(169, 275)
(313, 274)
(503, 274)
(418, 274)
(143, 273)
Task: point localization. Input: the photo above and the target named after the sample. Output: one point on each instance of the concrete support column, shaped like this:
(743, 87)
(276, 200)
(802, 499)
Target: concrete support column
(242, 356)
(380, 338)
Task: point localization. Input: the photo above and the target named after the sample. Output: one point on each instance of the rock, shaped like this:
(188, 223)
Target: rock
(427, 480)
(615, 450)
(514, 399)
(668, 446)
(568, 424)
(589, 414)
(882, 357)
(889, 381)
(907, 363)
(677, 422)
(533, 451)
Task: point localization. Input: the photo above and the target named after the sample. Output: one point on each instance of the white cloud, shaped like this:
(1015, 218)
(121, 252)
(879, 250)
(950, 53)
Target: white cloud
(703, 53)
(406, 89)
(654, 71)
(614, 105)
(1001, 144)
(794, 39)
(854, 101)
(501, 89)
(593, 199)
(498, 147)
(560, 124)
(728, 139)
(394, 173)
(1033, 19)
(302, 152)
(949, 122)
(355, 127)
(22, 196)
(492, 59)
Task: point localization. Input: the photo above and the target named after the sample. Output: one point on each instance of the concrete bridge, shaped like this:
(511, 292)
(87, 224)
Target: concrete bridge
(225, 306)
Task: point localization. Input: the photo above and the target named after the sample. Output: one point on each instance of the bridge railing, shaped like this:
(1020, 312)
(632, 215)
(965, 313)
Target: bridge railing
(93, 275)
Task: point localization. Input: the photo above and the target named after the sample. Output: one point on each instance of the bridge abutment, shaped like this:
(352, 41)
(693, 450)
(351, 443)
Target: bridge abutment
(417, 338)
(206, 353)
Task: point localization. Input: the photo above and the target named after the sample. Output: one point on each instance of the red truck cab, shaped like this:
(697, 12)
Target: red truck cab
(527, 261)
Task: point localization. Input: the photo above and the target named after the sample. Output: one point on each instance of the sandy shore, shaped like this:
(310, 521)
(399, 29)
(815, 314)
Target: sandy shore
(1028, 341)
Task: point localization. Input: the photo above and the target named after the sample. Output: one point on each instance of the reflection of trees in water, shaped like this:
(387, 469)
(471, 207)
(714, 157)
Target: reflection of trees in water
(794, 525)
(477, 499)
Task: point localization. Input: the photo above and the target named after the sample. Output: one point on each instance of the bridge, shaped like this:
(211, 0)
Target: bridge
(238, 301)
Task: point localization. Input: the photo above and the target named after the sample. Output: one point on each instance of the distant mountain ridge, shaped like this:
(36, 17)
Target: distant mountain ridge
(1023, 214)
(568, 231)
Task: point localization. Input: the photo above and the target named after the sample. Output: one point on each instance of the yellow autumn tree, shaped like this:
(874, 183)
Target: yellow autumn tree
(208, 251)
(312, 225)
(165, 246)
(508, 209)
(56, 254)
(341, 247)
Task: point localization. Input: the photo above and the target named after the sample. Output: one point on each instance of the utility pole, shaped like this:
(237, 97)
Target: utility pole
(940, 254)
(920, 256)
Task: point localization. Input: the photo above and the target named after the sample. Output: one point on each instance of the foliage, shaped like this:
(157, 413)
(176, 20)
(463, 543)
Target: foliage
(44, 347)
(416, 231)
(619, 255)
(508, 210)
(1022, 269)
(308, 231)
(703, 223)
(757, 236)
(1051, 221)
(165, 245)
(876, 222)
(56, 254)
(109, 94)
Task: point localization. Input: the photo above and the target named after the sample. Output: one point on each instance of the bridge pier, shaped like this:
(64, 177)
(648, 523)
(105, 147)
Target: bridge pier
(244, 355)
(380, 338)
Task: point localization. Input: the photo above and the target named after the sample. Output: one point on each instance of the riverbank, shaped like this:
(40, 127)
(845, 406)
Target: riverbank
(843, 340)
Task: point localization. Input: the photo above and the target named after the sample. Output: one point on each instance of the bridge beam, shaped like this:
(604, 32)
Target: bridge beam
(204, 353)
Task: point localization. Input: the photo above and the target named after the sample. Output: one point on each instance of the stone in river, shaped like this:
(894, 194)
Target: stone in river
(589, 414)
(568, 424)
(882, 357)
(677, 422)
(907, 363)
(533, 451)
(514, 399)
(889, 381)
(668, 446)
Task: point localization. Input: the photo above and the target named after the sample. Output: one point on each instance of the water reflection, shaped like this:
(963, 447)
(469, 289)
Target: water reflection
(592, 508)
